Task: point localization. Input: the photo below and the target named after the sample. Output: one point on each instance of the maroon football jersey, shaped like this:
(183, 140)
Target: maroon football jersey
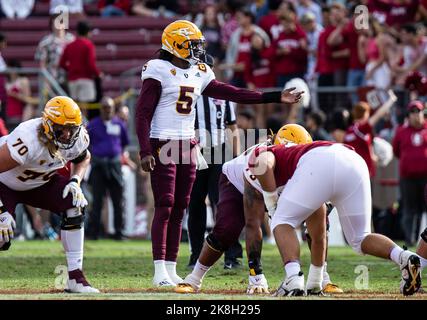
(287, 158)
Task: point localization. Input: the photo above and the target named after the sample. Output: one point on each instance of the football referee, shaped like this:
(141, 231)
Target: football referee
(213, 116)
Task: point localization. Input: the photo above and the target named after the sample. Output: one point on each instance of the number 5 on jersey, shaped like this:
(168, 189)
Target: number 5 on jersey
(185, 100)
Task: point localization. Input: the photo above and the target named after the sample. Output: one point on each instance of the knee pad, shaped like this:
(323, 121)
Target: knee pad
(72, 219)
(214, 244)
(424, 235)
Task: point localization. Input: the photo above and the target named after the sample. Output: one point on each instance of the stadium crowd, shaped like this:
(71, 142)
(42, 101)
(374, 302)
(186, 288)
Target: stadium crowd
(348, 62)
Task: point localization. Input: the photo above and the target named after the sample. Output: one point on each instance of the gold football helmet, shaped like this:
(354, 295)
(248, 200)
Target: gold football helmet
(62, 121)
(292, 133)
(184, 40)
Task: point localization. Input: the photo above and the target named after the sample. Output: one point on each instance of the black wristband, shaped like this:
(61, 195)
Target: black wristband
(74, 180)
(269, 97)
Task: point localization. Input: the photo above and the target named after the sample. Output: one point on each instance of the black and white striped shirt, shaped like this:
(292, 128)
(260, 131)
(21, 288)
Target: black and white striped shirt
(212, 116)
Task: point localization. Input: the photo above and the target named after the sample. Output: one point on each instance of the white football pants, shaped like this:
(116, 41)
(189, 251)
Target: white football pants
(335, 174)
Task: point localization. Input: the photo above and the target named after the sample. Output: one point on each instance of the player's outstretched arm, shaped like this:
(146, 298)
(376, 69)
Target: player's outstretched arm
(224, 91)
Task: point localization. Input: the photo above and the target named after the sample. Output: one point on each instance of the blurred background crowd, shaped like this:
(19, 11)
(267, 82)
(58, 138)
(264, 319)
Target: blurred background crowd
(362, 63)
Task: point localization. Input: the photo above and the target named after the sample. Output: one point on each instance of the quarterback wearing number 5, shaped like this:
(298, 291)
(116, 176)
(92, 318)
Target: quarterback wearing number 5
(29, 158)
(165, 116)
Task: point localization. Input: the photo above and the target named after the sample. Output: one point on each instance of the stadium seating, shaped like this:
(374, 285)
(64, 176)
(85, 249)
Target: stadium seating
(121, 43)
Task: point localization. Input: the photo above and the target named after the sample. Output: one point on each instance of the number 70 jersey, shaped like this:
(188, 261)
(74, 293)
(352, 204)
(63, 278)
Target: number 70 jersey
(36, 164)
(175, 113)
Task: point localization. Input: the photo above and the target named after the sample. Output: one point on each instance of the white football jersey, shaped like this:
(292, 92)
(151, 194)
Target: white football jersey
(237, 171)
(37, 165)
(175, 113)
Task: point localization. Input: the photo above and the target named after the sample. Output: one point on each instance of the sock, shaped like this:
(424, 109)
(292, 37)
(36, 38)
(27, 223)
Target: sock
(315, 275)
(326, 278)
(292, 268)
(160, 269)
(199, 271)
(395, 254)
(171, 270)
(72, 241)
(423, 262)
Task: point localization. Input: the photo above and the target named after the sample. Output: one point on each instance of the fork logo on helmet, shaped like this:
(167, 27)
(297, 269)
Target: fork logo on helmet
(184, 40)
(292, 133)
(62, 121)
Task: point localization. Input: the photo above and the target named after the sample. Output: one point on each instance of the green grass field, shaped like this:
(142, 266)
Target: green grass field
(123, 270)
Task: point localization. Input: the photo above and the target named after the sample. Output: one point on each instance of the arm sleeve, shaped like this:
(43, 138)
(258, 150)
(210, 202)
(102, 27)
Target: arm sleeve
(224, 91)
(146, 105)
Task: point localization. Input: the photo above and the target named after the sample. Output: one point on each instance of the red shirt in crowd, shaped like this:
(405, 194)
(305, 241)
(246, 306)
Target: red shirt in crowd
(244, 54)
(392, 12)
(339, 63)
(410, 146)
(324, 52)
(124, 5)
(261, 73)
(295, 61)
(360, 136)
(351, 37)
(79, 60)
(269, 23)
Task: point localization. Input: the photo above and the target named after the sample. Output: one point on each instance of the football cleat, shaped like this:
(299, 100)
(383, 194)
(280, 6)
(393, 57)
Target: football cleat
(314, 290)
(163, 282)
(257, 285)
(77, 283)
(292, 286)
(188, 285)
(332, 288)
(410, 266)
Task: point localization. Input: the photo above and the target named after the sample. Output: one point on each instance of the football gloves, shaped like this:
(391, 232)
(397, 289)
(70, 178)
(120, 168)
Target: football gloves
(257, 285)
(73, 187)
(7, 226)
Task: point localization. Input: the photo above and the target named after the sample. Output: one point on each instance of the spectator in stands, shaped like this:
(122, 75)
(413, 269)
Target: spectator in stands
(211, 29)
(19, 102)
(155, 8)
(378, 49)
(238, 55)
(340, 52)
(19, 9)
(114, 8)
(50, 49)
(260, 74)
(338, 124)
(109, 137)
(230, 24)
(360, 134)
(290, 46)
(314, 124)
(73, 7)
(309, 6)
(79, 60)
(414, 53)
(312, 30)
(249, 134)
(3, 67)
(324, 65)
(270, 22)
(349, 35)
(410, 146)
